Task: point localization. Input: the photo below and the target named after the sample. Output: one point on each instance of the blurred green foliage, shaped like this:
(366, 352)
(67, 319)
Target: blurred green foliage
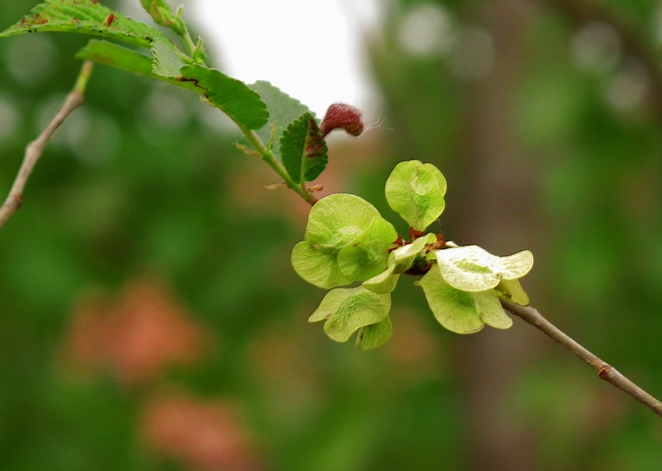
(552, 101)
(145, 182)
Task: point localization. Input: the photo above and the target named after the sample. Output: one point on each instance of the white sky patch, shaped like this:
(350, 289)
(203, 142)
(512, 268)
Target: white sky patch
(310, 50)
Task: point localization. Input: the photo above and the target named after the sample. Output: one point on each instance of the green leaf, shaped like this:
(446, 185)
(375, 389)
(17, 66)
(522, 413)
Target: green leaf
(468, 268)
(87, 17)
(472, 268)
(516, 266)
(490, 310)
(283, 109)
(160, 12)
(90, 17)
(167, 62)
(455, 310)
(367, 255)
(346, 310)
(383, 283)
(242, 104)
(404, 257)
(293, 145)
(459, 311)
(114, 55)
(330, 303)
(162, 15)
(375, 335)
(303, 149)
(512, 289)
(357, 312)
(345, 240)
(338, 220)
(318, 267)
(399, 261)
(416, 191)
(315, 155)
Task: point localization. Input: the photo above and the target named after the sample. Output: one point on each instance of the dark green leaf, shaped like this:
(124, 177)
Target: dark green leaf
(90, 17)
(283, 109)
(316, 156)
(107, 53)
(303, 149)
(87, 17)
(242, 104)
(114, 55)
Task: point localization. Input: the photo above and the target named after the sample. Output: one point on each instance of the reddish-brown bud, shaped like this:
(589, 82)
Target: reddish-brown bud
(342, 116)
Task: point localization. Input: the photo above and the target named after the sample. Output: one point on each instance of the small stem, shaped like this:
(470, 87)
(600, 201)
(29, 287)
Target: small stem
(34, 149)
(83, 77)
(192, 47)
(267, 156)
(181, 29)
(605, 371)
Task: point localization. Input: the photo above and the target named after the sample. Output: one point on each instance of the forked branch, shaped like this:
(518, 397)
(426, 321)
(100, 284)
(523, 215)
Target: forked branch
(34, 149)
(604, 370)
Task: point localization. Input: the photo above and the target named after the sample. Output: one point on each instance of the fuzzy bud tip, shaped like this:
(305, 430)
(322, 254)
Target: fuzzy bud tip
(342, 116)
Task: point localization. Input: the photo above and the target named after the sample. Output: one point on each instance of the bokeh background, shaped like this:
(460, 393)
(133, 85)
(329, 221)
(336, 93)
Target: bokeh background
(150, 320)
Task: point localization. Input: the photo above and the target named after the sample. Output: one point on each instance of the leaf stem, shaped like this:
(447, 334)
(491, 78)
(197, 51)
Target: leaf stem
(181, 29)
(34, 149)
(604, 370)
(268, 156)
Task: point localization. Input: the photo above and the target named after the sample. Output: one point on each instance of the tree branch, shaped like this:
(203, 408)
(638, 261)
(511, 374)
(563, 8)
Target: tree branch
(34, 149)
(605, 371)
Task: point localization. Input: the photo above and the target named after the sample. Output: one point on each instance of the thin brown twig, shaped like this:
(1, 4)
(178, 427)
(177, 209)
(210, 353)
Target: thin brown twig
(34, 149)
(604, 370)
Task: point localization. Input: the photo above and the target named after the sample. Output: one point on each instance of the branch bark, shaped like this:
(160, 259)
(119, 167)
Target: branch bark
(604, 370)
(34, 149)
